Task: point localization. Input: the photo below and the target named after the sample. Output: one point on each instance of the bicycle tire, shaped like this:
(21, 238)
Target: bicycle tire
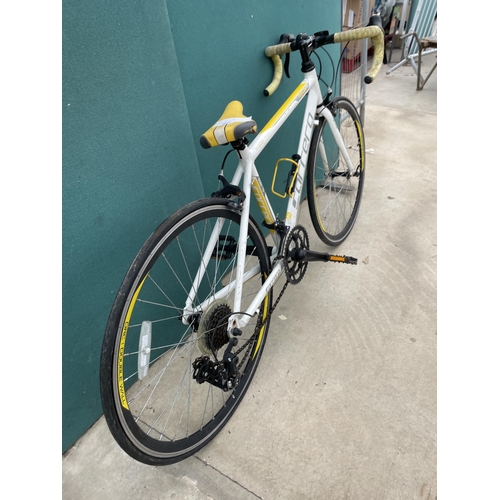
(154, 408)
(334, 196)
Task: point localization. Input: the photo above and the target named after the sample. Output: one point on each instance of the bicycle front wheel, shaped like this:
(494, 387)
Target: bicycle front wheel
(334, 193)
(172, 311)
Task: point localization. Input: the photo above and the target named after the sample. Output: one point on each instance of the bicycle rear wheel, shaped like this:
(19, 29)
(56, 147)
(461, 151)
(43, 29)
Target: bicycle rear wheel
(333, 194)
(157, 412)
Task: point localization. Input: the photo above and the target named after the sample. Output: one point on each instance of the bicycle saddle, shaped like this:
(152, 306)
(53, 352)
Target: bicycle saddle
(231, 126)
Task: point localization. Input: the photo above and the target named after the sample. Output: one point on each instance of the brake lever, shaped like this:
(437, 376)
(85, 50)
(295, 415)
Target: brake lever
(287, 64)
(286, 38)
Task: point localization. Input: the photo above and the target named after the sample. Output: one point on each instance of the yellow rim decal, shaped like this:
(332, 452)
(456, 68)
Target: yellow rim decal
(121, 385)
(362, 151)
(261, 333)
(297, 93)
(361, 145)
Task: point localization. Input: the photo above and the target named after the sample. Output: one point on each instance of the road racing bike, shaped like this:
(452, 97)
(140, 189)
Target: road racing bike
(188, 327)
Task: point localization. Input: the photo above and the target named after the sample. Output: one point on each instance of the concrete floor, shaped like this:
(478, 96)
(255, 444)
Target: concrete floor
(343, 405)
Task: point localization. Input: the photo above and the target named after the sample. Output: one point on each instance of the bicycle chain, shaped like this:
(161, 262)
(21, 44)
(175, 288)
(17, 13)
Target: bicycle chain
(291, 277)
(261, 323)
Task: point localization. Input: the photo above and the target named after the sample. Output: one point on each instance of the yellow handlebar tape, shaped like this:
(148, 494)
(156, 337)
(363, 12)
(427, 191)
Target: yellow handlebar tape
(377, 36)
(278, 50)
(278, 73)
(373, 32)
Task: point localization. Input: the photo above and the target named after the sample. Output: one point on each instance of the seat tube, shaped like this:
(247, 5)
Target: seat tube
(242, 239)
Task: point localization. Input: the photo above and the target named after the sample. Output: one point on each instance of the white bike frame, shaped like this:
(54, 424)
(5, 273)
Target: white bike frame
(252, 184)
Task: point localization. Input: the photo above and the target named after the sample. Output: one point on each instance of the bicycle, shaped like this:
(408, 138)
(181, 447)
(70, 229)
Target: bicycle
(188, 326)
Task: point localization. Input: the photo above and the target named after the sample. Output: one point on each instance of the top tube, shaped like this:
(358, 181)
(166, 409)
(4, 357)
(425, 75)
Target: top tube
(273, 125)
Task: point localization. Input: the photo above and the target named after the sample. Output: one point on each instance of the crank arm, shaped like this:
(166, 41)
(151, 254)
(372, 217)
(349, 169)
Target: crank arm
(303, 255)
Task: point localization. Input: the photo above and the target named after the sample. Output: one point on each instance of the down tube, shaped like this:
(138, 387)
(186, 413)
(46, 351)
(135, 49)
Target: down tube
(293, 208)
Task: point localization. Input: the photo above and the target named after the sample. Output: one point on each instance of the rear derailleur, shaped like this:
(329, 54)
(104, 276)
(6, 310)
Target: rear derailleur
(222, 374)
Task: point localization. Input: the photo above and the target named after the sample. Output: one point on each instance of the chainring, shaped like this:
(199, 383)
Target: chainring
(297, 239)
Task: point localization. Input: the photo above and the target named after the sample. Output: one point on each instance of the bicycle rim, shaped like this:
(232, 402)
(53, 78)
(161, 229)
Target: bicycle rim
(155, 409)
(334, 195)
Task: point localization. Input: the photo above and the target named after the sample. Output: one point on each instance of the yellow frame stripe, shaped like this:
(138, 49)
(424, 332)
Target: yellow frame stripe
(298, 92)
(121, 352)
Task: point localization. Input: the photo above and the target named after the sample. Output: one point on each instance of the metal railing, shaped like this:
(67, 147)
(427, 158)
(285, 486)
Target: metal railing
(352, 83)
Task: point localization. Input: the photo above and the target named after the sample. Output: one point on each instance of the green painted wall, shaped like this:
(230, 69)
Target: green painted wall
(220, 47)
(141, 82)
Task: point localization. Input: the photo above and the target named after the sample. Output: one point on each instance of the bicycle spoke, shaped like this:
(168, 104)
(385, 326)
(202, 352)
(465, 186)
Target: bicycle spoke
(335, 192)
(172, 372)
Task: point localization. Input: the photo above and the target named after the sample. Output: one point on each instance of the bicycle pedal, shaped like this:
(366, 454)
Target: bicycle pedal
(305, 255)
(345, 259)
